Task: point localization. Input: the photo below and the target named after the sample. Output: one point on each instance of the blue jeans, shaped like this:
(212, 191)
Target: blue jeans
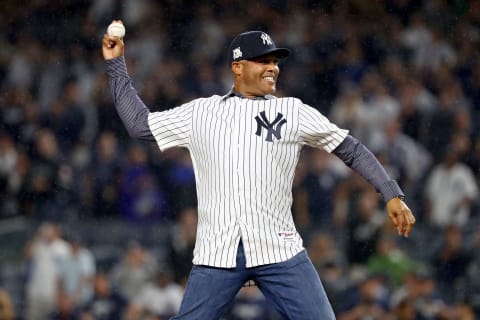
(293, 286)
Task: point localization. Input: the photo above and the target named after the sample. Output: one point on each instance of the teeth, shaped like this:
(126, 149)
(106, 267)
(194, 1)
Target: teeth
(268, 78)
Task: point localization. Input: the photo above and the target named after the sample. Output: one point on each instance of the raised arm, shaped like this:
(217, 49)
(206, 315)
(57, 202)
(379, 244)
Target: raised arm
(130, 107)
(355, 155)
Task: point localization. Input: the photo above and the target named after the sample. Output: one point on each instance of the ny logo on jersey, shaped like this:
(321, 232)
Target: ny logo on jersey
(266, 39)
(273, 128)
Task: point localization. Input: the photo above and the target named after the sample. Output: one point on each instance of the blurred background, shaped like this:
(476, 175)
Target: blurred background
(95, 225)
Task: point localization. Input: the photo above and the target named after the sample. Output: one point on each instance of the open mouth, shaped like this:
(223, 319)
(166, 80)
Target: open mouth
(269, 78)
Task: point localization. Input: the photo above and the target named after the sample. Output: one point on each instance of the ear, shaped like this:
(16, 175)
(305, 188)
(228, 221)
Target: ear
(236, 68)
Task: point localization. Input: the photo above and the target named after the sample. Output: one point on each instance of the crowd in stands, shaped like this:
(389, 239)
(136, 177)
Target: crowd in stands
(402, 75)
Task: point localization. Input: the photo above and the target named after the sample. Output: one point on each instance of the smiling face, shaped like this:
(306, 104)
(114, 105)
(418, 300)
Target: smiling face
(256, 77)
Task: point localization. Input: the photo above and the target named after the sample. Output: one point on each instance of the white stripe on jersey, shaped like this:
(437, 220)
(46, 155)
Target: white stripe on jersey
(244, 182)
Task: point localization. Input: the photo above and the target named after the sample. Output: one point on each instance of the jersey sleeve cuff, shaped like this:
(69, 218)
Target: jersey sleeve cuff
(340, 136)
(390, 190)
(116, 67)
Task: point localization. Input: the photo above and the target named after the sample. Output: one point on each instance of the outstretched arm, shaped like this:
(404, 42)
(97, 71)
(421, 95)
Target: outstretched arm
(355, 155)
(130, 107)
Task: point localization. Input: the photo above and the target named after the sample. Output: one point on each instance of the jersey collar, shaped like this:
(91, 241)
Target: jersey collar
(233, 93)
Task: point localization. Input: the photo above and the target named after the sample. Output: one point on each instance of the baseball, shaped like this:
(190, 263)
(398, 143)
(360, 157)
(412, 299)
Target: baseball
(116, 29)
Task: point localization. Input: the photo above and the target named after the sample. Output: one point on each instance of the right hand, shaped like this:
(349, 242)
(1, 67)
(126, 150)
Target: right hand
(112, 47)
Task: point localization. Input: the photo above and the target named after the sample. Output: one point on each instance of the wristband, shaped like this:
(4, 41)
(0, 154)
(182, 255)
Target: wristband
(391, 189)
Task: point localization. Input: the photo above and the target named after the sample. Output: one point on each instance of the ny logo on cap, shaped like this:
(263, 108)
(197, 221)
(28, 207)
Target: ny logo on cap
(266, 39)
(237, 53)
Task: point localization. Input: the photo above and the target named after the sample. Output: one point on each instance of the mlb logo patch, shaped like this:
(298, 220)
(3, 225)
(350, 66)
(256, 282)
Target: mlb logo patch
(237, 53)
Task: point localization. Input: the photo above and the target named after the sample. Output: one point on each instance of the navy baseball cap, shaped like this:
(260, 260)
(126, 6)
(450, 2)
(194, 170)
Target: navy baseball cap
(253, 44)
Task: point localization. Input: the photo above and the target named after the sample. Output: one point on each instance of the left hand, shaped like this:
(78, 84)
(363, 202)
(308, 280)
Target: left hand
(401, 216)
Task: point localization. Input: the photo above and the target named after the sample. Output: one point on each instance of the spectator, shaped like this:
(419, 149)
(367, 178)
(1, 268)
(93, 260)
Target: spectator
(182, 180)
(416, 35)
(250, 304)
(141, 196)
(41, 183)
(456, 183)
(364, 228)
(9, 155)
(65, 308)
(160, 298)
(106, 303)
(391, 261)
(321, 181)
(136, 268)
(181, 244)
(471, 294)
(17, 178)
(449, 263)
(66, 118)
(463, 311)
(51, 79)
(328, 259)
(45, 254)
(103, 177)
(77, 272)
(419, 290)
(323, 250)
(31, 124)
(404, 311)
(350, 112)
(370, 299)
(472, 285)
(6, 307)
(106, 117)
(23, 64)
(440, 124)
(435, 52)
(381, 108)
(417, 102)
(410, 158)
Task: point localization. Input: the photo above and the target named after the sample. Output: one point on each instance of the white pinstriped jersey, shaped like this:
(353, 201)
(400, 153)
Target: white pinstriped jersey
(244, 154)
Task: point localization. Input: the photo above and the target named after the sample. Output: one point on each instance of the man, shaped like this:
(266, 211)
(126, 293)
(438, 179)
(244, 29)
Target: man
(244, 148)
(46, 253)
